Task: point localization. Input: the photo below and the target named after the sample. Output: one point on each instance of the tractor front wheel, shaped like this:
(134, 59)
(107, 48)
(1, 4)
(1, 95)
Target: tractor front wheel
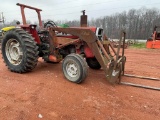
(74, 68)
(19, 51)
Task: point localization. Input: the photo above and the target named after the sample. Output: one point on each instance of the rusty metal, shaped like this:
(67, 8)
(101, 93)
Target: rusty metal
(142, 77)
(68, 43)
(115, 44)
(83, 20)
(112, 48)
(107, 46)
(136, 76)
(140, 86)
(22, 6)
(90, 38)
(106, 61)
(124, 38)
(64, 40)
(84, 34)
(118, 50)
(103, 49)
(111, 66)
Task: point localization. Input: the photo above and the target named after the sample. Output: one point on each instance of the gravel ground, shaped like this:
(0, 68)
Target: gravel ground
(45, 94)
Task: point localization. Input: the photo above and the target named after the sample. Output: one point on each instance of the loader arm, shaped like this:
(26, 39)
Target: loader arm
(107, 62)
(89, 37)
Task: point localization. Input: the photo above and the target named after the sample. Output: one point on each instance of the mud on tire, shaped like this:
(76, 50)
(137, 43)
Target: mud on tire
(19, 51)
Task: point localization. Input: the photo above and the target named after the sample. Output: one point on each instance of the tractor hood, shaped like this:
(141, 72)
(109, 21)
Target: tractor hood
(7, 28)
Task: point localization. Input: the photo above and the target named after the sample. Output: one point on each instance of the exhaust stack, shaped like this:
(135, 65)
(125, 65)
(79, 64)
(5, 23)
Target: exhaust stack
(83, 20)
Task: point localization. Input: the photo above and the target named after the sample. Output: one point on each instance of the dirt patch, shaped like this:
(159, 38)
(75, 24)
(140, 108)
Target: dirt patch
(45, 94)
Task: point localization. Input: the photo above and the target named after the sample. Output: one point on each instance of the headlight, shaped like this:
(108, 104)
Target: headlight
(99, 33)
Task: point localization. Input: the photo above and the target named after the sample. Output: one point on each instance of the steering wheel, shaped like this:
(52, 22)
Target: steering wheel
(50, 24)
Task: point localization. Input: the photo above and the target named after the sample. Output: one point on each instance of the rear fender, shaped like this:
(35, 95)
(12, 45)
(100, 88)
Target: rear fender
(32, 30)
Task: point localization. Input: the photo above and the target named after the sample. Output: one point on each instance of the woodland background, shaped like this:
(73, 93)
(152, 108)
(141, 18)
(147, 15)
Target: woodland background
(138, 23)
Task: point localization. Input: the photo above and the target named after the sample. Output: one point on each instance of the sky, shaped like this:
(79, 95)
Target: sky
(71, 9)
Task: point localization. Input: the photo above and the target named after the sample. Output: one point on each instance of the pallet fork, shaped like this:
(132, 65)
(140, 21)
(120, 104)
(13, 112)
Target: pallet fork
(139, 85)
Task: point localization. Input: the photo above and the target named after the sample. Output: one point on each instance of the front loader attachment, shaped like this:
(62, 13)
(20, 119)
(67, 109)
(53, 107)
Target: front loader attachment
(110, 60)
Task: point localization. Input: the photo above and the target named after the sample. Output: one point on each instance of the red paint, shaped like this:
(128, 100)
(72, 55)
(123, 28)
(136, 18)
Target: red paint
(153, 44)
(32, 30)
(35, 35)
(88, 52)
(22, 6)
(78, 51)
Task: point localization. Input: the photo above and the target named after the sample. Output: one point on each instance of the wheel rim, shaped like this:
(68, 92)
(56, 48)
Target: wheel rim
(14, 51)
(72, 69)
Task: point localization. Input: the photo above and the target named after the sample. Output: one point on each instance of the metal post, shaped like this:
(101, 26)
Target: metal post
(2, 18)
(142, 77)
(23, 15)
(140, 86)
(39, 18)
(22, 6)
(124, 37)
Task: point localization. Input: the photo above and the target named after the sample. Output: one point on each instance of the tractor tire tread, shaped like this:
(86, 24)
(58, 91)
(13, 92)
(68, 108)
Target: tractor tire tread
(30, 51)
(83, 66)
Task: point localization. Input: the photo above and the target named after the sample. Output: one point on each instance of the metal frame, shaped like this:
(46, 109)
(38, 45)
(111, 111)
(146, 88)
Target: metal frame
(22, 6)
(112, 66)
(109, 64)
(140, 85)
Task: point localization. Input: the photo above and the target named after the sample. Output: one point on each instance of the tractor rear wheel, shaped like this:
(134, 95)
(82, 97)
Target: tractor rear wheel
(93, 63)
(19, 51)
(74, 68)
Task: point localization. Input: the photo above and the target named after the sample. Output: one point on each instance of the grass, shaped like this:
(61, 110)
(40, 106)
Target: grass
(139, 45)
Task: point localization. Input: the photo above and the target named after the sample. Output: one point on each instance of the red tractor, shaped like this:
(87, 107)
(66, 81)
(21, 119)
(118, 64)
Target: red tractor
(77, 47)
(154, 40)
